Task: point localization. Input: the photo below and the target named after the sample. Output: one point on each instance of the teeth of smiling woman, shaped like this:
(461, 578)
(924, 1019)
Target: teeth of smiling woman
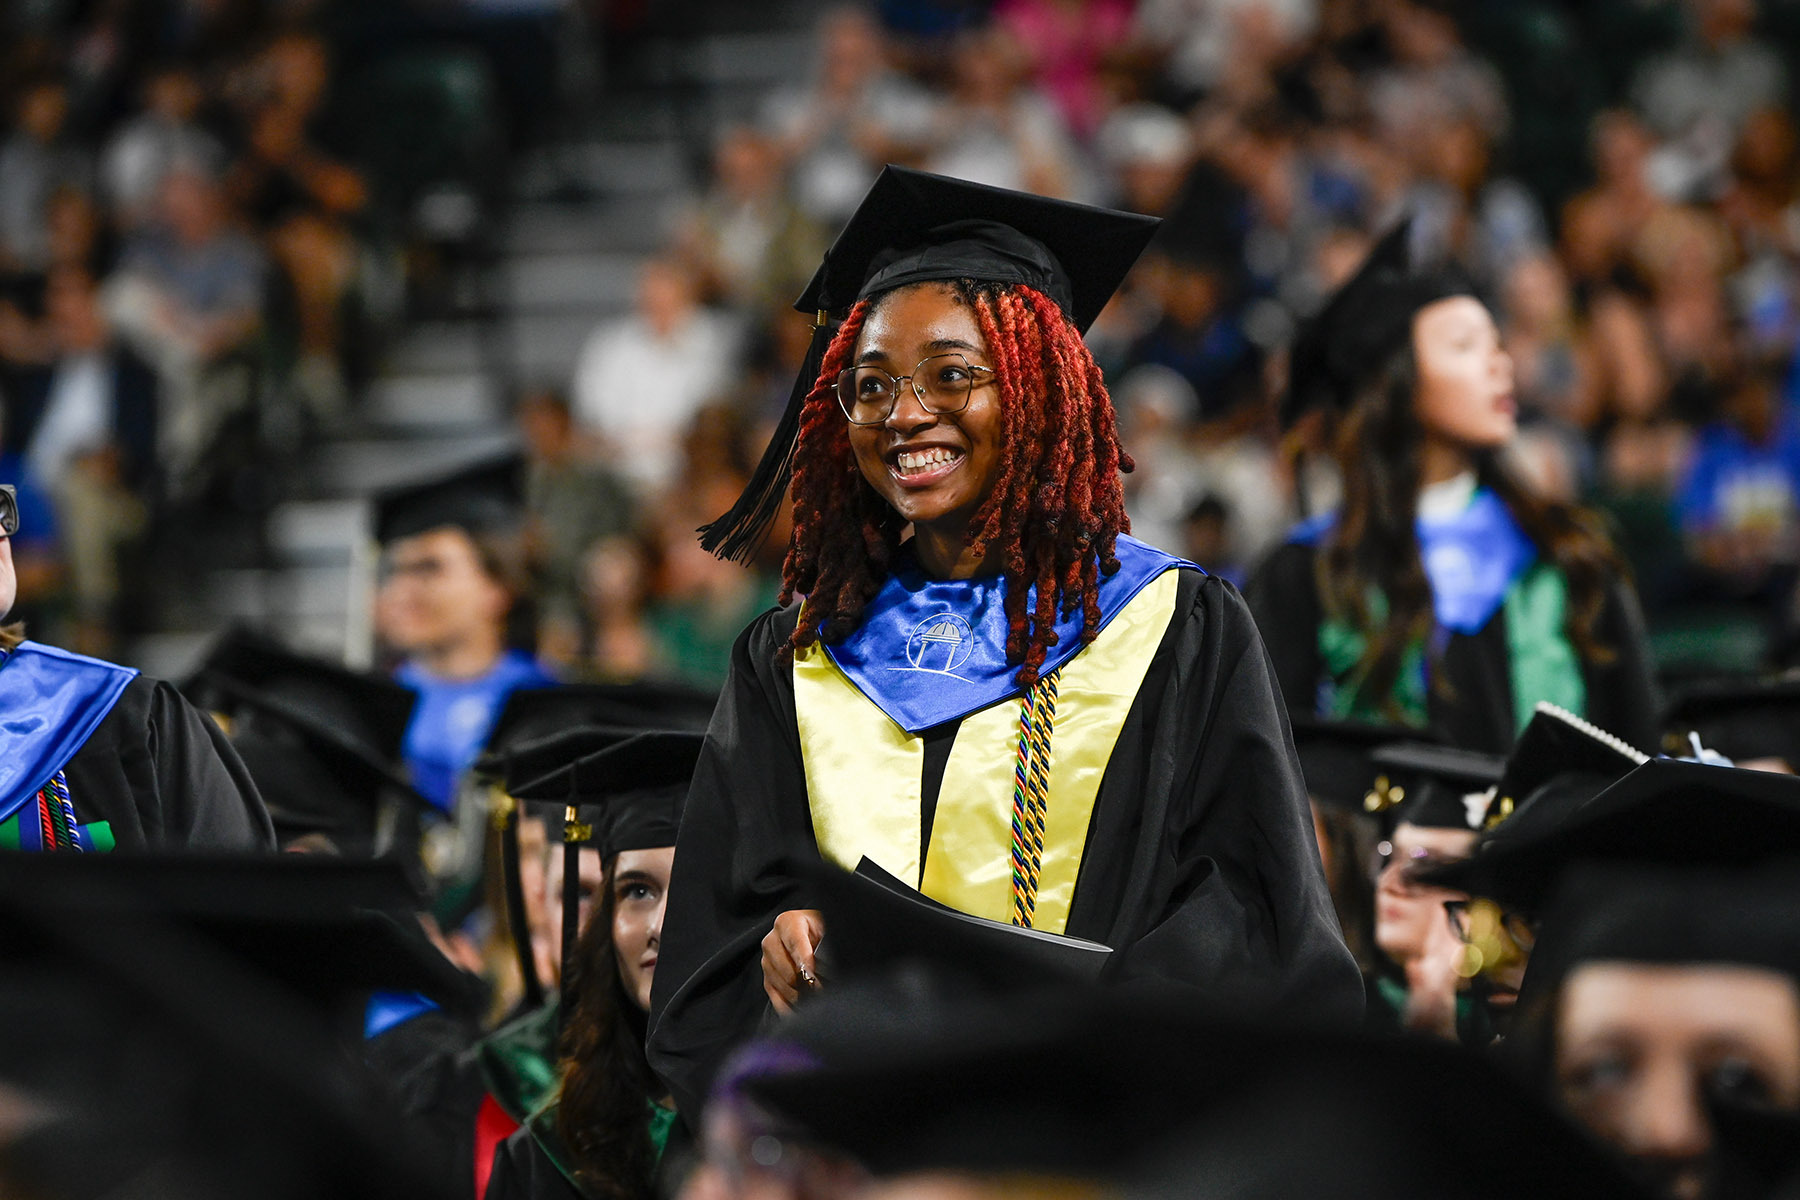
(919, 460)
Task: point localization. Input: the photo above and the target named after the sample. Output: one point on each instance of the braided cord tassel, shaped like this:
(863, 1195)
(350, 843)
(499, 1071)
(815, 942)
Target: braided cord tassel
(1031, 794)
(62, 809)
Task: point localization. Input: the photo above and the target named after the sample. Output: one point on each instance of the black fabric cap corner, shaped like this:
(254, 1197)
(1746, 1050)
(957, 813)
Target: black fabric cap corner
(485, 497)
(1438, 781)
(1335, 760)
(913, 226)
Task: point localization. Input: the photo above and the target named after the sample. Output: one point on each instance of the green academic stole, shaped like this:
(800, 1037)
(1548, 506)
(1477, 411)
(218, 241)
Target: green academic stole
(864, 772)
(1540, 661)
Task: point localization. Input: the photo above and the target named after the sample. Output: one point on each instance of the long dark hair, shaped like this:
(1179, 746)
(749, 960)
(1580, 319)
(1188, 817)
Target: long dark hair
(606, 1080)
(1374, 549)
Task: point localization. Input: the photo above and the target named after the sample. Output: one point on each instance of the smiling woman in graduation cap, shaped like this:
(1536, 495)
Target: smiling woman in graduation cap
(1442, 592)
(986, 687)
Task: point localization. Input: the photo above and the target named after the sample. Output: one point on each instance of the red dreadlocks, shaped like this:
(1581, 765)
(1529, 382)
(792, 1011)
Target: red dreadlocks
(1057, 506)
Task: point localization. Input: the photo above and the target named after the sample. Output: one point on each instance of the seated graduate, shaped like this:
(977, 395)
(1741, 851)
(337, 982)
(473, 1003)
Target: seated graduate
(95, 756)
(601, 1132)
(1019, 710)
(453, 576)
(1662, 1008)
(1442, 593)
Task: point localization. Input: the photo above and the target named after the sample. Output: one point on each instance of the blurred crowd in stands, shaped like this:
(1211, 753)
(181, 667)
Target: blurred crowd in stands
(201, 221)
(1621, 176)
(209, 215)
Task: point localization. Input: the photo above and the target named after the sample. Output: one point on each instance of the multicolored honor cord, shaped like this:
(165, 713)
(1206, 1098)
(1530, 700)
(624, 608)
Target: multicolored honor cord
(48, 823)
(1031, 794)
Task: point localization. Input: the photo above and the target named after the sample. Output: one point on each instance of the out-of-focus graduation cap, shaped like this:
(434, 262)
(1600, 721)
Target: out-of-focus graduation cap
(1335, 759)
(150, 1062)
(1630, 912)
(532, 714)
(1364, 322)
(1742, 719)
(1665, 812)
(915, 227)
(1437, 787)
(1560, 762)
(327, 929)
(486, 497)
(322, 741)
(1114, 1088)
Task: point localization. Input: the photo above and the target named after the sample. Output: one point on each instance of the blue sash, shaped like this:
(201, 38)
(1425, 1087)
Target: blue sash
(934, 650)
(1470, 558)
(51, 701)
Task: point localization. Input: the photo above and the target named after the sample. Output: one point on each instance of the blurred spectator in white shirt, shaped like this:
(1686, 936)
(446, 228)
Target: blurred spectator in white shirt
(165, 135)
(640, 378)
(34, 163)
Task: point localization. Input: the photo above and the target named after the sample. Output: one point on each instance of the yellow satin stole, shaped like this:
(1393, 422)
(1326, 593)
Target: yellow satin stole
(864, 773)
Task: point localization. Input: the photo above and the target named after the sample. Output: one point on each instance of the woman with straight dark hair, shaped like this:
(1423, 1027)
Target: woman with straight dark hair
(1442, 592)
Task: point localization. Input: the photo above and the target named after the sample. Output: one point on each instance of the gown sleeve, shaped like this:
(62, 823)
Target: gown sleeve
(1231, 898)
(746, 816)
(207, 797)
(1283, 596)
(523, 1171)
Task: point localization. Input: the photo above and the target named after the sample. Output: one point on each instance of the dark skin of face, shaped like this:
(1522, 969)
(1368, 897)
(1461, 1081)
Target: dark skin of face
(939, 498)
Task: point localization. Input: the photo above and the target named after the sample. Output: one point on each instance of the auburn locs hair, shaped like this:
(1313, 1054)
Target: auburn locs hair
(1055, 512)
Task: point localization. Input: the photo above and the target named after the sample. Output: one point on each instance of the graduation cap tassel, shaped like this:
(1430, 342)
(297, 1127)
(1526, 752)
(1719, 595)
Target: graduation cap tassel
(574, 834)
(738, 534)
(506, 817)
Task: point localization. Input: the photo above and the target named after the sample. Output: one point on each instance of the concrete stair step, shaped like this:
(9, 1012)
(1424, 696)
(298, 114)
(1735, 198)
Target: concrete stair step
(544, 347)
(531, 283)
(319, 531)
(465, 400)
(638, 223)
(437, 346)
(365, 466)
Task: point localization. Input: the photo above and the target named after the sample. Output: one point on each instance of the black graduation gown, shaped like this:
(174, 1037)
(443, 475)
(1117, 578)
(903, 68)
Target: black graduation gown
(1477, 713)
(162, 775)
(1200, 864)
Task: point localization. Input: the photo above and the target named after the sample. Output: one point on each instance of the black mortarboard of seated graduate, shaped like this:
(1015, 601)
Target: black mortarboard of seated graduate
(534, 714)
(1743, 719)
(321, 741)
(1364, 322)
(1665, 812)
(483, 497)
(150, 1061)
(329, 930)
(1433, 786)
(1335, 760)
(1559, 763)
(915, 227)
(1151, 1091)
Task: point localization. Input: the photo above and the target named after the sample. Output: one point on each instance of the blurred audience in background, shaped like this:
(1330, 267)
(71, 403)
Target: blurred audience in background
(199, 225)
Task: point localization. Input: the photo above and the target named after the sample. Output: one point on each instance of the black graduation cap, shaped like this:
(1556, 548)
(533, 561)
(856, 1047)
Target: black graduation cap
(1631, 912)
(1740, 718)
(1438, 787)
(631, 789)
(1560, 761)
(1119, 1088)
(1335, 759)
(915, 227)
(486, 497)
(321, 740)
(148, 1061)
(329, 930)
(1665, 812)
(1364, 322)
(532, 714)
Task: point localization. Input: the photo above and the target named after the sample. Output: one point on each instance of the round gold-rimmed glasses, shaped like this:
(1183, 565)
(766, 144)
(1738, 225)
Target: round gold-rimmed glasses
(941, 382)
